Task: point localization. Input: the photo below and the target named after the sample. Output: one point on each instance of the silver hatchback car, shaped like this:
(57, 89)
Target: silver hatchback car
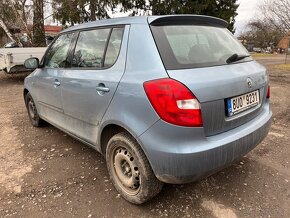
(166, 99)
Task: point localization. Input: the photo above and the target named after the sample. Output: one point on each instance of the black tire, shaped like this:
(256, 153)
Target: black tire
(130, 170)
(32, 111)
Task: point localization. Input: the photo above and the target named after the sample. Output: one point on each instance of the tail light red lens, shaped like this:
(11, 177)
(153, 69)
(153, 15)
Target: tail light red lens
(268, 92)
(174, 102)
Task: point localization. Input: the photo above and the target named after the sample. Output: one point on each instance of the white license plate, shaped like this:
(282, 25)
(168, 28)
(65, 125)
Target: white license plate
(242, 102)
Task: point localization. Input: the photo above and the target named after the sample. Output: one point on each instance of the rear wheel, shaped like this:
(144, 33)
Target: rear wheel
(32, 111)
(130, 170)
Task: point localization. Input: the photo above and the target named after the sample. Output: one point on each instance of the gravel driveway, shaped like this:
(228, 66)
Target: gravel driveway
(45, 173)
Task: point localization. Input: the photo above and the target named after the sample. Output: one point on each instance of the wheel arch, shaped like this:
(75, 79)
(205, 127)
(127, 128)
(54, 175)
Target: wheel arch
(25, 91)
(108, 131)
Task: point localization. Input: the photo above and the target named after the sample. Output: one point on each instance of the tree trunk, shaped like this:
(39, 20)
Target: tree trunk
(93, 9)
(7, 31)
(38, 24)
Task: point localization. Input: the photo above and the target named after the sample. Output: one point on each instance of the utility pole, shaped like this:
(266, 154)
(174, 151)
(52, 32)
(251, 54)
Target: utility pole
(287, 49)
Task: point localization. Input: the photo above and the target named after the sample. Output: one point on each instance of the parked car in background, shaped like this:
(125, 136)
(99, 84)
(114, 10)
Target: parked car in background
(12, 59)
(13, 55)
(258, 50)
(166, 99)
(48, 40)
(11, 45)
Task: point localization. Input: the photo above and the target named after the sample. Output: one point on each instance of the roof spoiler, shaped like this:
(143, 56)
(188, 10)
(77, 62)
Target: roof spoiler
(186, 19)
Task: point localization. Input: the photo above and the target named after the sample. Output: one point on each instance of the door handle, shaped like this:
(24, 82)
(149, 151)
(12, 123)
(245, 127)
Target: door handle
(103, 88)
(56, 83)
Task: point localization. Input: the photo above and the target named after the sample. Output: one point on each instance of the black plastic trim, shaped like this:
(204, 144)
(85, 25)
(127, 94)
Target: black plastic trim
(189, 19)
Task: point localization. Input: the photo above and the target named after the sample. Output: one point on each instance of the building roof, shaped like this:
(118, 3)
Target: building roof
(284, 42)
(56, 29)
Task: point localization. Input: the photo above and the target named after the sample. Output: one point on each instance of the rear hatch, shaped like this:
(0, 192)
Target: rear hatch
(213, 86)
(204, 56)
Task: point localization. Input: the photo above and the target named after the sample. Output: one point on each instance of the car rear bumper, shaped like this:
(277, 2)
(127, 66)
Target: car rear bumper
(179, 155)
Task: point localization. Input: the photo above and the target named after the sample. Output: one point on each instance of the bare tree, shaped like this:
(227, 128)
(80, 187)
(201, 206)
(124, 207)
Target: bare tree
(7, 20)
(277, 14)
(14, 13)
(262, 34)
(18, 8)
(270, 25)
(10, 35)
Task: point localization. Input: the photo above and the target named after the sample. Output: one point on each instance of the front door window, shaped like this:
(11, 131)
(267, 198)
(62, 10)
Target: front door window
(57, 55)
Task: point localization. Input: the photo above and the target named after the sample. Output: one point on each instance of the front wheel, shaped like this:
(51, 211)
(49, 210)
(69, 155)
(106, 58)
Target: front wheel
(32, 111)
(130, 170)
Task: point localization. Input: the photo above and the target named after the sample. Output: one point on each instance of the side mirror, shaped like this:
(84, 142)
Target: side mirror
(31, 63)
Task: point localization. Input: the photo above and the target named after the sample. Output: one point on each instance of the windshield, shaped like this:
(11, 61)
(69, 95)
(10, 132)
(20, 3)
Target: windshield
(188, 46)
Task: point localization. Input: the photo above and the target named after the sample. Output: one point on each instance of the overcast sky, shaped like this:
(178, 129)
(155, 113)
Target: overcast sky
(247, 10)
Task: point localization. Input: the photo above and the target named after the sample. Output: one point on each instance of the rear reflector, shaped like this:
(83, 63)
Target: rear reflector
(174, 102)
(268, 92)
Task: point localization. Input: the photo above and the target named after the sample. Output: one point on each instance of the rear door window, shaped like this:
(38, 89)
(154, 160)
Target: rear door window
(97, 48)
(90, 48)
(114, 46)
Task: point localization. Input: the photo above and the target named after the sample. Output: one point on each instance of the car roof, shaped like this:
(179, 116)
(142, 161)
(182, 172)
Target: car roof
(156, 20)
(109, 22)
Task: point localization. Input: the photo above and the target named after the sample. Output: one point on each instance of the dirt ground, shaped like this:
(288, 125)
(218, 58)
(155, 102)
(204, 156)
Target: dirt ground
(45, 173)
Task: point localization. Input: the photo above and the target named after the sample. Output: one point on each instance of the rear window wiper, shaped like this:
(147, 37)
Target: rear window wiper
(235, 57)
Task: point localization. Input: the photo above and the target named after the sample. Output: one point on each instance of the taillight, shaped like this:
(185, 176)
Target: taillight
(174, 102)
(268, 92)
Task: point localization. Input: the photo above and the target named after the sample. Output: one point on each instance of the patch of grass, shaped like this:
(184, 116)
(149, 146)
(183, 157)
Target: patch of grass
(262, 55)
(281, 67)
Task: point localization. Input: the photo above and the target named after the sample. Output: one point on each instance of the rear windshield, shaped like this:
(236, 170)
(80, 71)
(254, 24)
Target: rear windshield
(189, 46)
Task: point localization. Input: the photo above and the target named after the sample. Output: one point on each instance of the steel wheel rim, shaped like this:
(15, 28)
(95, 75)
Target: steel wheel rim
(31, 109)
(125, 170)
